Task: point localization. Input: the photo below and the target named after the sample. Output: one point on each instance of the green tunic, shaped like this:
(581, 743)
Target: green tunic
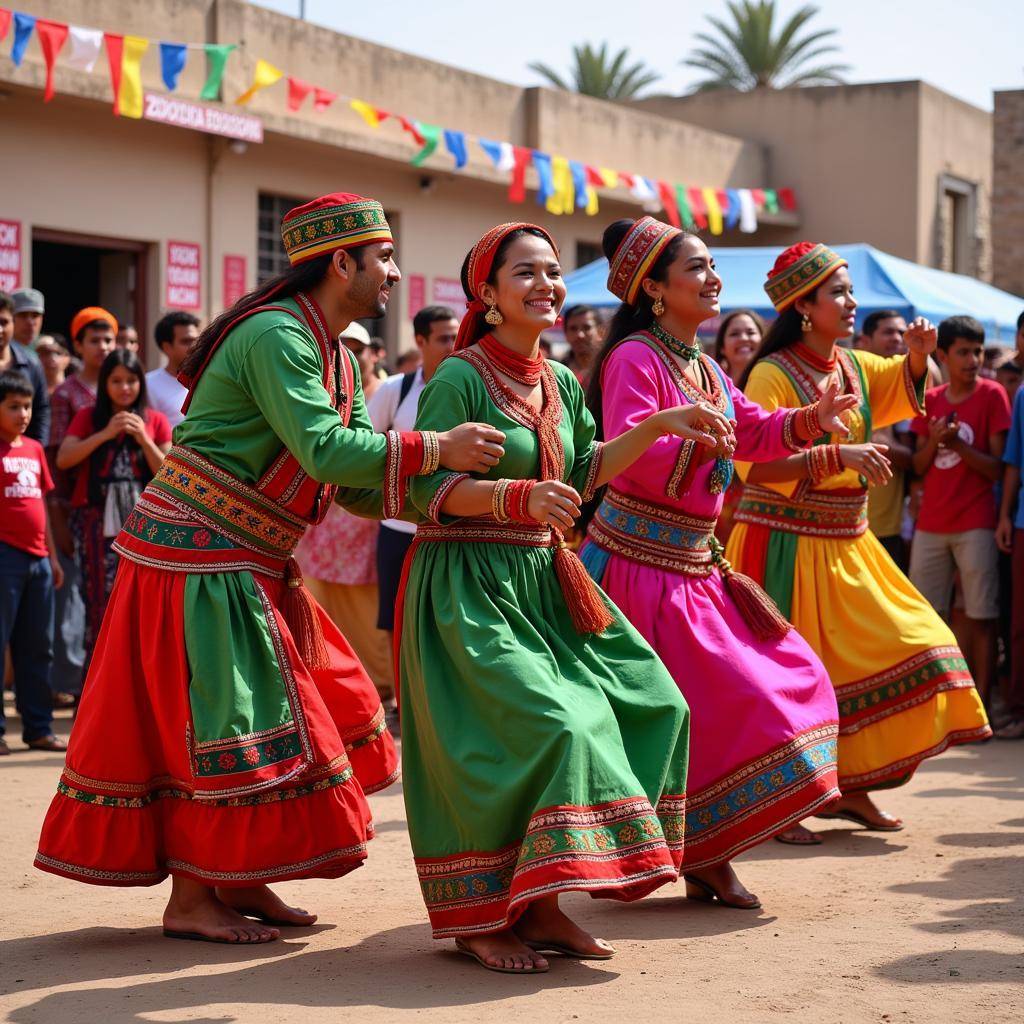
(536, 759)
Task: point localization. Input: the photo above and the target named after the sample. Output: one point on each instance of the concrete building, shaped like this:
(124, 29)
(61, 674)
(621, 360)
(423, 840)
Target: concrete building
(1008, 192)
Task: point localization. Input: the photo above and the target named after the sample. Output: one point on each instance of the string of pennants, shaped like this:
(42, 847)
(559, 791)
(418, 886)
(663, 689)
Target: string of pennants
(563, 185)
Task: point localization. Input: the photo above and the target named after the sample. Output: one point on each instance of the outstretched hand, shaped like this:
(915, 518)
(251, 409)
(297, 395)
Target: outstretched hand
(831, 407)
(702, 424)
(921, 336)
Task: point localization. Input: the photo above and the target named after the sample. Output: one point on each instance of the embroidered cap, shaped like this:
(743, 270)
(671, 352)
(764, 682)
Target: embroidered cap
(799, 270)
(338, 221)
(636, 254)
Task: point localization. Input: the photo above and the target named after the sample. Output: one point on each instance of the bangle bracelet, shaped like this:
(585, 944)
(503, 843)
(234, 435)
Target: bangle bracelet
(518, 500)
(431, 452)
(499, 500)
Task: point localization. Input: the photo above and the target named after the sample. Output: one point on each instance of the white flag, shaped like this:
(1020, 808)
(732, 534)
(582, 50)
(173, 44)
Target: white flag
(748, 211)
(507, 160)
(85, 47)
(644, 188)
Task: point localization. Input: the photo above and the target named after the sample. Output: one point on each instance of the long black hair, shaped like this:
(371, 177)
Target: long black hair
(104, 407)
(296, 279)
(628, 319)
(783, 331)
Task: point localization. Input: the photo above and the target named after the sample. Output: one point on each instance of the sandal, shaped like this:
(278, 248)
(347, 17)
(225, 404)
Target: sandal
(541, 946)
(466, 951)
(807, 837)
(1011, 731)
(859, 819)
(697, 889)
(51, 743)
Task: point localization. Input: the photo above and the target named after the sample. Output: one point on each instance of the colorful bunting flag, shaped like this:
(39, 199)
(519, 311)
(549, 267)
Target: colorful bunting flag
(714, 211)
(5, 21)
(52, 37)
(521, 157)
(23, 25)
(579, 184)
(85, 47)
(172, 63)
(501, 154)
(787, 199)
(371, 115)
(698, 209)
(563, 195)
(115, 54)
(130, 93)
(455, 143)
(771, 201)
(410, 126)
(545, 184)
(732, 207)
(611, 178)
(758, 196)
(216, 60)
(431, 135)
(322, 99)
(264, 76)
(298, 90)
(667, 195)
(748, 211)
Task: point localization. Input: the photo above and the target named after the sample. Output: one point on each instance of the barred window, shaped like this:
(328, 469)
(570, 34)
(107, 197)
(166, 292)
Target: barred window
(271, 259)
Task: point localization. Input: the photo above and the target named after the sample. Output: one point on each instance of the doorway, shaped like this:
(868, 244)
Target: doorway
(73, 271)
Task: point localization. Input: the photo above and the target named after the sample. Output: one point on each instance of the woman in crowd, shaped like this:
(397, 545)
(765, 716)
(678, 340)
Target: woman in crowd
(902, 685)
(739, 335)
(763, 747)
(119, 443)
(544, 744)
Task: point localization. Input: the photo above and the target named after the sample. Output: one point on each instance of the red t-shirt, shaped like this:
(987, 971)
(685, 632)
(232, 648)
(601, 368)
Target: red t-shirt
(157, 426)
(956, 497)
(24, 483)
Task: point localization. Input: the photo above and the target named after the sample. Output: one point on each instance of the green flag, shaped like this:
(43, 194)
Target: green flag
(432, 134)
(683, 202)
(216, 58)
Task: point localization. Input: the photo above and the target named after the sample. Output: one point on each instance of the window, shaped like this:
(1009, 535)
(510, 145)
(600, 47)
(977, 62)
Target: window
(587, 252)
(271, 259)
(957, 225)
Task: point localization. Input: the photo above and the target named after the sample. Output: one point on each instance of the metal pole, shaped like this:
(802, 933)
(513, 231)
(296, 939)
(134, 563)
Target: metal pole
(302, 10)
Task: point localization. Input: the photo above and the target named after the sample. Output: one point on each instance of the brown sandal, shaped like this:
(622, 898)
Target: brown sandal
(50, 743)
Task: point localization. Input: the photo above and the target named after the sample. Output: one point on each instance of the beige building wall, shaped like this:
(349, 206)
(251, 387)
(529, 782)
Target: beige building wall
(1008, 192)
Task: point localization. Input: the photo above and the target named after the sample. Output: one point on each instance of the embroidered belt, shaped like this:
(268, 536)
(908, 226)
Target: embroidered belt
(653, 535)
(489, 531)
(811, 514)
(194, 516)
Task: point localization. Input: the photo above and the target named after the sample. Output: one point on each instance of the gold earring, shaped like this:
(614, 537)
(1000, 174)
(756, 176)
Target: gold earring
(658, 307)
(493, 316)
(805, 324)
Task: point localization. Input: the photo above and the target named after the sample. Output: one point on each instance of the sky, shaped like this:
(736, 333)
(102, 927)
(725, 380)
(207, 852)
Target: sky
(966, 47)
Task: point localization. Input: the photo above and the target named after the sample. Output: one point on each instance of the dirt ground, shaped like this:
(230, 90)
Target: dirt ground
(922, 926)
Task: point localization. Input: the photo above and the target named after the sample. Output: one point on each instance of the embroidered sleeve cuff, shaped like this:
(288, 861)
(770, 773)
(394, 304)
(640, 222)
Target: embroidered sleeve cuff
(404, 459)
(441, 494)
(914, 388)
(596, 458)
(687, 464)
(789, 438)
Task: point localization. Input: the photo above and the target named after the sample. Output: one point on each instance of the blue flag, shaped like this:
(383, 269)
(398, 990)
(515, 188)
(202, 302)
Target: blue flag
(732, 213)
(456, 145)
(579, 183)
(546, 181)
(172, 62)
(23, 25)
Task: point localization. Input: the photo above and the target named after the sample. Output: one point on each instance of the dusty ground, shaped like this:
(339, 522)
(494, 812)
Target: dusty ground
(923, 926)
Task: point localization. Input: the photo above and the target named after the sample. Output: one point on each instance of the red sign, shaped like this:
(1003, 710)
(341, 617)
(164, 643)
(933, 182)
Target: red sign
(182, 275)
(448, 292)
(212, 120)
(234, 280)
(417, 293)
(10, 255)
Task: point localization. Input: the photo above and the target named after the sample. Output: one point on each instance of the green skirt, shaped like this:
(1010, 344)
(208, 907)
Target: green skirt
(536, 760)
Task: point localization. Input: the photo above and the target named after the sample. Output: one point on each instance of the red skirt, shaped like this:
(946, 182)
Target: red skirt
(131, 807)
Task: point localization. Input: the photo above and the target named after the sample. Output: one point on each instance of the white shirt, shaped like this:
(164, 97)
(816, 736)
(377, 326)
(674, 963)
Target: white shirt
(386, 413)
(165, 394)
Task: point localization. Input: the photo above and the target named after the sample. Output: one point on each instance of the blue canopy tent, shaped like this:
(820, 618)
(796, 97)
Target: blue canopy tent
(880, 281)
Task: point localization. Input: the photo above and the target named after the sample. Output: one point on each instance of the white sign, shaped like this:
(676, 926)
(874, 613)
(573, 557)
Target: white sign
(213, 120)
(10, 255)
(182, 275)
(448, 292)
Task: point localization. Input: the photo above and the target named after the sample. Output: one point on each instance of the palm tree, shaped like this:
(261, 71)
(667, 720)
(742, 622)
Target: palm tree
(747, 54)
(595, 74)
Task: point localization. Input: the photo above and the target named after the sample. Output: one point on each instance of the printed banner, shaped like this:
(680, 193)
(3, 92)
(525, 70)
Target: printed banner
(212, 120)
(448, 292)
(10, 255)
(234, 280)
(417, 293)
(183, 290)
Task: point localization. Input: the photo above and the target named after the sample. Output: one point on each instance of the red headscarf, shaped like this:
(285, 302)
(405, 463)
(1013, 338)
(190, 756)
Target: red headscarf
(481, 262)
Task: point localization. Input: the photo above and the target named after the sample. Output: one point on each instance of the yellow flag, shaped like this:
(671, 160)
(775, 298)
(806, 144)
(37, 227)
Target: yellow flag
(266, 74)
(611, 178)
(714, 210)
(129, 96)
(366, 112)
(564, 196)
(593, 206)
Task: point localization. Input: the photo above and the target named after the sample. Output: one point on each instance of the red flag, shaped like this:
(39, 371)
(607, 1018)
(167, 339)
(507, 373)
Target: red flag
(517, 188)
(298, 90)
(410, 127)
(594, 176)
(5, 21)
(52, 36)
(698, 207)
(629, 180)
(787, 198)
(668, 201)
(115, 52)
(758, 196)
(322, 99)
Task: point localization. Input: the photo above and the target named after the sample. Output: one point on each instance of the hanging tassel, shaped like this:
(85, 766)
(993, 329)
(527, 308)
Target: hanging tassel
(589, 612)
(755, 604)
(300, 613)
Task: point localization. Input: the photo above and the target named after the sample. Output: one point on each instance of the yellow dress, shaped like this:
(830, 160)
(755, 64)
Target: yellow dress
(902, 685)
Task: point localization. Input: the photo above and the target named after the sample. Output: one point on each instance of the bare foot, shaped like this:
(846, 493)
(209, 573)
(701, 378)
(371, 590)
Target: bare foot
(259, 901)
(193, 911)
(544, 926)
(726, 886)
(861, 805)
(502, 951)
(798, 835)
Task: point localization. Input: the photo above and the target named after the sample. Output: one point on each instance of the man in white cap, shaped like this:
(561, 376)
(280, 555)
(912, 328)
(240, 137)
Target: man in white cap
(29, 308)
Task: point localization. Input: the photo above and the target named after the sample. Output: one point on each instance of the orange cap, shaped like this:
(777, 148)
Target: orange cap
(87, 315)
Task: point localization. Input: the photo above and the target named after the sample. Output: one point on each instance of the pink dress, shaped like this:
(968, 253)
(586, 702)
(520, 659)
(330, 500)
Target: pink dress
(764, 716)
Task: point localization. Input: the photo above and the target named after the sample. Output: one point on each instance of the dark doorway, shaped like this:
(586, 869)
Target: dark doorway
(74, 271)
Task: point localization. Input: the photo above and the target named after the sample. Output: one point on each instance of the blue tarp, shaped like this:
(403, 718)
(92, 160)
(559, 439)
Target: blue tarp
(880, 281)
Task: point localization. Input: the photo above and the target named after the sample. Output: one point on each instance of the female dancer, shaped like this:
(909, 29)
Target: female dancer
(903, 688)
(228, 734)
(763, 750)
(544, 744)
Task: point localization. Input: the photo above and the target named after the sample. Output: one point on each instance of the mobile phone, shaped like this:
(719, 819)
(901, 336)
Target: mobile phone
(951, 417)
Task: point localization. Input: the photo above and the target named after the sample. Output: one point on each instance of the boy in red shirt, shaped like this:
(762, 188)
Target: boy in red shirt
(959, 454)
(29, 570)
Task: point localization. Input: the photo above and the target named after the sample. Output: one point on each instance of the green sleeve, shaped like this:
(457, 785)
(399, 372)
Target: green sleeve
(586, 461)
(442, 406)
(282, 373)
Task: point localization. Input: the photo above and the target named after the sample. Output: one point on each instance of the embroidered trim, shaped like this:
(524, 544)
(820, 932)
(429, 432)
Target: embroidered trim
(789, 434)
(594, 471)
(235, 757)
(393, 489)
(448, 484)
(487, 531)
(816, 514)
(915, 391)
(683, 470)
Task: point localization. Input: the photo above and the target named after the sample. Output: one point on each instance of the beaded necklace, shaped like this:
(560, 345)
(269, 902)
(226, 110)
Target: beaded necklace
(690, 353)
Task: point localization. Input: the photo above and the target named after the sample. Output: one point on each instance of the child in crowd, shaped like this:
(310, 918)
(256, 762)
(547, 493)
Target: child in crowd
(119, 444)
(29, 571)
(959, 448)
